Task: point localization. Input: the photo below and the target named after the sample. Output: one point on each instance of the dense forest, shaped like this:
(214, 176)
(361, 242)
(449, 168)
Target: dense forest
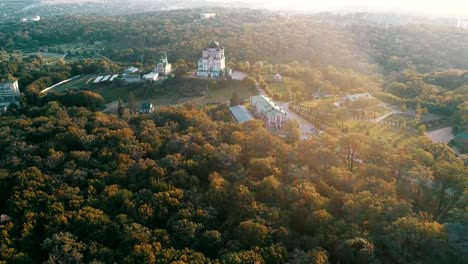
(189, 186)
(251, 35)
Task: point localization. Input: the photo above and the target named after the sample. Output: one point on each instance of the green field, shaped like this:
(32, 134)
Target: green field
(77, 83)
(225, 93)
(325, 105)
(110, 91)
(391, 134)
(410, 117)
(432, 122)
(176, 92)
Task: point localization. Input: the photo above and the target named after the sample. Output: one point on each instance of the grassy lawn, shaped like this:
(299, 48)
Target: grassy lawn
(321, 104)
(432, 122)
(380, 110)
(410, 117)
(327, 105)
(401, 117)
(175, 92)
(225, 93)
(112, 92)
(141, 93)
(392, 135)
(77, 83)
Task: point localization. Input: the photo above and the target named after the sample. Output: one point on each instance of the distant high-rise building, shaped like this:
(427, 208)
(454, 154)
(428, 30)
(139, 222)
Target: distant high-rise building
(462, 24)
(9, 93)
(207, 15)
(33, 19)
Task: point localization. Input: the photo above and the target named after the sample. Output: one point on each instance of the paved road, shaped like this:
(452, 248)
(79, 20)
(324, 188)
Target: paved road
(380, 118)
(60, 83)
(305, 126)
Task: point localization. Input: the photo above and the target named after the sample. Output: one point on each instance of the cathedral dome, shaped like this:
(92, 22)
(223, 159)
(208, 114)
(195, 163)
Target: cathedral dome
(213, 44)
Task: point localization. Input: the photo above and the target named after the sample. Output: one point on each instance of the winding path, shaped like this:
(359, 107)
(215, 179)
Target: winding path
(306, 127)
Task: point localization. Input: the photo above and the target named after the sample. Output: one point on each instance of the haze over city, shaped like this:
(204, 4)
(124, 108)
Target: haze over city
(233, 132)
(420, 7)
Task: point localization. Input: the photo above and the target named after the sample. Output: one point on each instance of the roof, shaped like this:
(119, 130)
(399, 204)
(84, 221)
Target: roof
(98, 79)
(266, 105)
(241, 114)
(132, 69)
(151, 75)
(354, 97)
(146, 106)
(113, 77)
(213, 44)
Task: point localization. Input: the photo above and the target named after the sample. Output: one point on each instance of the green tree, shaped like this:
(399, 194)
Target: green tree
(292, 131)
(356, 250)
(235, 99)
(63, 248)
(132, 104)
(252, 234)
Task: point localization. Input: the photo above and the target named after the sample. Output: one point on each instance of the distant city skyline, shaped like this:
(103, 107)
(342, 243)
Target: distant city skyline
(457, 8)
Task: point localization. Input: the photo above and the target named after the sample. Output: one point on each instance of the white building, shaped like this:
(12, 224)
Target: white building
(213, 63)
(268, 111)
(9, 93)
(207, 15)
(131, 70)
(462, 24)
(152, 76)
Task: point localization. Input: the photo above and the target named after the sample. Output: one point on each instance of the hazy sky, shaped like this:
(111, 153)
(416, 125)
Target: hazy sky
(428, 7)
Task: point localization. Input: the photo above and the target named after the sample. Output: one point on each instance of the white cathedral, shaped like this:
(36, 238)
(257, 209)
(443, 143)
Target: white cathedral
(213, 62)
(163, 66)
